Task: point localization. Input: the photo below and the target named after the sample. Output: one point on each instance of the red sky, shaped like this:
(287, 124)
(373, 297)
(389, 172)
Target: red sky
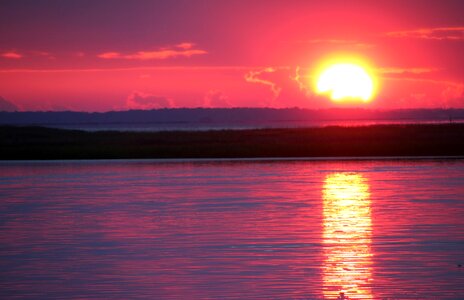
(95, 55)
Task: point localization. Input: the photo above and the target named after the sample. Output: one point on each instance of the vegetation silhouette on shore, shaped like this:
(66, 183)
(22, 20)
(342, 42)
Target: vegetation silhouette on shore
(378, 140)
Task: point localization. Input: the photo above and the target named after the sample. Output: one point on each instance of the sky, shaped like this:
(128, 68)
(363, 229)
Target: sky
(96, 55)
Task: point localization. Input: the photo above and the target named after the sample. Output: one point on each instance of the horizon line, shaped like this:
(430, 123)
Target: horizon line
(235, 108)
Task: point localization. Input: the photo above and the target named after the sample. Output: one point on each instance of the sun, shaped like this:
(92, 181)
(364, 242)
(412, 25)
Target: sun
(346, 82)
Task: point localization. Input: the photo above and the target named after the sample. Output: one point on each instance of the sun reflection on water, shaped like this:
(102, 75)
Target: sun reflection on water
(347, 237)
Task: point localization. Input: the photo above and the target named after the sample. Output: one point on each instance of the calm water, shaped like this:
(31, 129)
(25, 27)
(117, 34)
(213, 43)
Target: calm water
(242, 125)
(232, 230)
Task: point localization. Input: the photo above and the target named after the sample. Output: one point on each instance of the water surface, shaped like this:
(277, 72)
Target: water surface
(239, 125)
(232, 230)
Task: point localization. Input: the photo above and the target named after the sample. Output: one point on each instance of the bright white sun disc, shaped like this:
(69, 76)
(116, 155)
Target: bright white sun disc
(346, 81)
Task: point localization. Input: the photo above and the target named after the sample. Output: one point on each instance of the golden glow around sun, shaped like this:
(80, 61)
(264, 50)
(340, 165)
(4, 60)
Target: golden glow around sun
(346, 81)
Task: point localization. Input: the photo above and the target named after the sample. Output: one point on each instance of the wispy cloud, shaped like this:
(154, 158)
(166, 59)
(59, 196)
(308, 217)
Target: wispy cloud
(43, 54)
(185, 45)
(180, 50)
(301, 80)
(342, 42)
(254, 77)
(437, 33)
(399, 70)
(110, 55)
(289, 86)
(12, 55)
(28, 54)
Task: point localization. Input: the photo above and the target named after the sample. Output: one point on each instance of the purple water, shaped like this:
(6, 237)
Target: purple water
(232, 230)
(242, 125)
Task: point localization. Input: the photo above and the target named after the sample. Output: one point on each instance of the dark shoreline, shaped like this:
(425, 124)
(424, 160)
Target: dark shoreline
(39, 143)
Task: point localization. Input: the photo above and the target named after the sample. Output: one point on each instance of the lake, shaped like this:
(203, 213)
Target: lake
(371, 229)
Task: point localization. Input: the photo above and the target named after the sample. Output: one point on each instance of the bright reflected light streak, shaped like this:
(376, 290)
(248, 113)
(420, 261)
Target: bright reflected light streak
(347, 237)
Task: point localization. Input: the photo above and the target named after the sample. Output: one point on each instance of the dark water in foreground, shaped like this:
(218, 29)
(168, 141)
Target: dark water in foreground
(241, 230)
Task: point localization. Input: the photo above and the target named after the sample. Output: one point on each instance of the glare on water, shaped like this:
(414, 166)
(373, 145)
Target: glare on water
(347, 231)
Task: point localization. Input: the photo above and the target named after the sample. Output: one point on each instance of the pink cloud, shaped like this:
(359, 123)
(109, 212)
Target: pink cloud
(140, 100)
(12, 55)
(164, 54)
(185, 46)
(110, 55)
(437, 33)
(180, 50)
(215, 98)
(16, 55)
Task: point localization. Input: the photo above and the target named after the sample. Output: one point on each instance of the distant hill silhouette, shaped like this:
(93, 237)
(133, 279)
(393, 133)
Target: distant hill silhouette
(224, 116)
